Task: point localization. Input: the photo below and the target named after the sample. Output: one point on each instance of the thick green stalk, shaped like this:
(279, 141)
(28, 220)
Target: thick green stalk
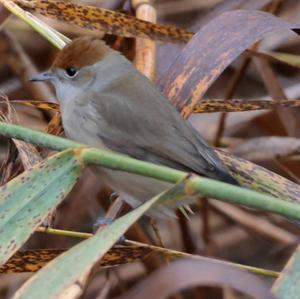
(207, 187)
(36, 137)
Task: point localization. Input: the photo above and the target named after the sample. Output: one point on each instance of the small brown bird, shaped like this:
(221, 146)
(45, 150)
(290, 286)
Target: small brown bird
(106, 103)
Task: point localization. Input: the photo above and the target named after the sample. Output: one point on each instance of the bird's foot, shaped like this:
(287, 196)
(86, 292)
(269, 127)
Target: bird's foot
(101, 222)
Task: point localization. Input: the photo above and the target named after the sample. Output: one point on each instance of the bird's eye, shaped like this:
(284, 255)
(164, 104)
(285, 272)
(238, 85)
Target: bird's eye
(71, 71)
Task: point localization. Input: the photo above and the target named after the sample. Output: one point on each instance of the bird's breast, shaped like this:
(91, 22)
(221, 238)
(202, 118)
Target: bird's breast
(81, 126)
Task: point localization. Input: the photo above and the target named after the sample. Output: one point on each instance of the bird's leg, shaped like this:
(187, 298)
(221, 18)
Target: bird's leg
(111, 215)
(101, 222)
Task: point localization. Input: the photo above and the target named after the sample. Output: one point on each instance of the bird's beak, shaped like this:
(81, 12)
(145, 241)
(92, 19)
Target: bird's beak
(44, 76)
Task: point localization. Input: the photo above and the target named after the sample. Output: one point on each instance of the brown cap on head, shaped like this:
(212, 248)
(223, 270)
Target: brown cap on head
(80, 52)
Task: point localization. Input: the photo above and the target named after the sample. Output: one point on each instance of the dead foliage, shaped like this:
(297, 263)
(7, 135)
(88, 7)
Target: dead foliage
(211, 57)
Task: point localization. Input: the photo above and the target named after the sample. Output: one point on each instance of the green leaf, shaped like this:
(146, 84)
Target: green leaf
(287, 285)
(56, 38)
(26, 200)
(58, 275)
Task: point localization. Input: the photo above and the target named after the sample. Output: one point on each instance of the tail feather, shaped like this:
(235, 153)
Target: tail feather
(225, 177)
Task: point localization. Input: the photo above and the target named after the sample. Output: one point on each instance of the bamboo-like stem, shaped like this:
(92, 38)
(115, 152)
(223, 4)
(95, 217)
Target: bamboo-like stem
(145, 49)
(166, 251)
(205, 186)
(54, 37)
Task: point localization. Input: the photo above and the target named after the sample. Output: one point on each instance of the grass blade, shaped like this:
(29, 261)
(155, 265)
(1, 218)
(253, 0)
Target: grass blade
(26, 200)
(58, 276)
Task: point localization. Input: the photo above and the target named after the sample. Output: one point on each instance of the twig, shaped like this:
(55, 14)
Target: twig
(169, 252)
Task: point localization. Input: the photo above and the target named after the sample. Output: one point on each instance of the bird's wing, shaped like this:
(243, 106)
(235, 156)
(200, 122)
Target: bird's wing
(144, 125)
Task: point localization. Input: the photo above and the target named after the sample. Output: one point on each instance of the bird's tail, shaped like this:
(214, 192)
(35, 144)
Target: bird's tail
(225, 177)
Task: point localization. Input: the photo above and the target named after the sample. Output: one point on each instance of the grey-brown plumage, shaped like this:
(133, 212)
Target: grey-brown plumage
(106, 102)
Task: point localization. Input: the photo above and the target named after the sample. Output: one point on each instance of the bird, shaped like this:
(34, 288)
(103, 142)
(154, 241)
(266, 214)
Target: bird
(107, 103)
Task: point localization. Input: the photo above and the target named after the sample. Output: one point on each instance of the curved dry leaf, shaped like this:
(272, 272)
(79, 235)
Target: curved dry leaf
(267, 148)
(167, 52)
(199, 65)
(185, 274)
(211, 50)
(228, 5)
(99, 19)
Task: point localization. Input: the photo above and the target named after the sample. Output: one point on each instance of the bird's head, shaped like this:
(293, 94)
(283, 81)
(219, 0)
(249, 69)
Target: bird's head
(75, 67)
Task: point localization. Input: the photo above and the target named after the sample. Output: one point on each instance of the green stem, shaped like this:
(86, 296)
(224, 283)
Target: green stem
(176, 253)
(207, 187)
(166, 251)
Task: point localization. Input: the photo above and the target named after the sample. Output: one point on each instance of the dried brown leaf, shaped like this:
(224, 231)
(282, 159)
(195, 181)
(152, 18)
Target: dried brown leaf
(55, 126)
(35, 259)
(202, 60)
(43, 105)
(259, 178)
(229, 5)
(28, 153)
(185, 274)
(211, 50)
(9, 165)
(216, 105)
(99, 19)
